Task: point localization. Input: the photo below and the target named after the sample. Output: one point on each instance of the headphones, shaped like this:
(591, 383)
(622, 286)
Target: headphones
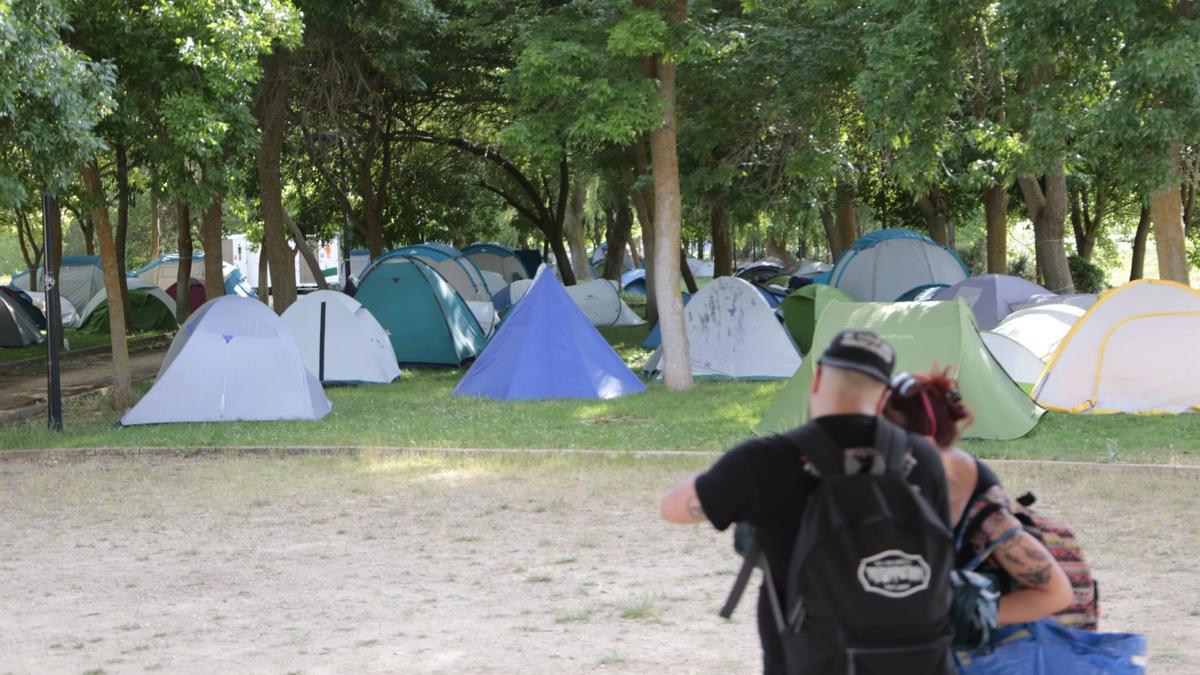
(906, 385)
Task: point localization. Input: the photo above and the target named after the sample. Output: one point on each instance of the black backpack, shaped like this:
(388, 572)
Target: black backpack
(869, 587)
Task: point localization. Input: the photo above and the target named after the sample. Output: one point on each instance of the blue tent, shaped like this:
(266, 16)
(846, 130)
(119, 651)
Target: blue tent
(546, 349)
(634, 282)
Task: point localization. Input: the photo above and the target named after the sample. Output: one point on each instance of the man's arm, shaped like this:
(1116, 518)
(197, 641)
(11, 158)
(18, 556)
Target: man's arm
(681, 504)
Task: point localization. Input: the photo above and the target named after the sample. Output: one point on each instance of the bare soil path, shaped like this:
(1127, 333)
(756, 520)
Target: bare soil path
(23, 392)
(418, 564)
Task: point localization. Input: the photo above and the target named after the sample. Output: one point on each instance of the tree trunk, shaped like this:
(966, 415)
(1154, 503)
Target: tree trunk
(933, 207)
(184, 274)
(1137, 267)
(846, 216)
(372, 214)
(617, 236)
(668, 224)
(122, 381)
(722, 237)
(122, 220)
(1048, 211)
(264, 274)
(1166, 214)
(685, 272)
(30, 251)
(635, 253)
(210, 239)
(306, 252)
(271, 110)
(573, 226)
(155, 245)
(777, 248)
(645, 215)
(995, 213)
(832, 236)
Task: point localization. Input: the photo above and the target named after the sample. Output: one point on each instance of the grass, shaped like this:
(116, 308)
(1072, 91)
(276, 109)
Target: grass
(418, 411)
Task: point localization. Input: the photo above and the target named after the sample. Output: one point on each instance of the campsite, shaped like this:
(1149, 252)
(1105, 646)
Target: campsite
(418, 336)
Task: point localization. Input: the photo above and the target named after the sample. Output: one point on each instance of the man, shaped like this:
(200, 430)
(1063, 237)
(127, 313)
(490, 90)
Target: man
(765, 482)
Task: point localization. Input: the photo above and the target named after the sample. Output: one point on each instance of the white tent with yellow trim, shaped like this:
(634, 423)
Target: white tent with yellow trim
(1132, 352)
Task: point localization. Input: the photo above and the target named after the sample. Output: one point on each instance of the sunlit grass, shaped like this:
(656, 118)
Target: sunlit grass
(418, 412)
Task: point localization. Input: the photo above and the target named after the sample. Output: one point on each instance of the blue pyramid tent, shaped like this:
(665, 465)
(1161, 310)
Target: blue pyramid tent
(546, 348)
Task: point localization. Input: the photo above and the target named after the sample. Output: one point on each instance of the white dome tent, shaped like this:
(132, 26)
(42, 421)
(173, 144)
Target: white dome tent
(599, 300)
(1132, 352)
(79, 279)
(1039, 329)
(354, 347)
(232, 360)
(1022, 365)
(733, 334)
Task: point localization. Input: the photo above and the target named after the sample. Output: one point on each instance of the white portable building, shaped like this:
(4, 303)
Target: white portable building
(347, 346)
(733, 334)
(232, 360)
(599, 299)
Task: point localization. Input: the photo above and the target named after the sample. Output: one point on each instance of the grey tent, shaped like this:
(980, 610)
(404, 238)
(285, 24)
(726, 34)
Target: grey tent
(16, 328)
(232, 360)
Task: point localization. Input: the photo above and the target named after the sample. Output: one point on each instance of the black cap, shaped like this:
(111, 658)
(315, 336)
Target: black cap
(862, 351)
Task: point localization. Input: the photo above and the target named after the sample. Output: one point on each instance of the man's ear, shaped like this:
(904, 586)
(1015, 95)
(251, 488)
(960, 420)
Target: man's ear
(883, 400)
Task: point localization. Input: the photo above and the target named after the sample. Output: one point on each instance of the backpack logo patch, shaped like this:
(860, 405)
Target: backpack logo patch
(894, 574)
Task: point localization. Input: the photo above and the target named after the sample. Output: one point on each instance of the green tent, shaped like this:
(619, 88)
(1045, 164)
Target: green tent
(803, 307)
(924, 334)
(146, 313)
(426, 320)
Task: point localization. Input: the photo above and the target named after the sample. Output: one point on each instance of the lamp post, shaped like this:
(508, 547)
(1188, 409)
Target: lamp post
(343, 185)
(50, 231)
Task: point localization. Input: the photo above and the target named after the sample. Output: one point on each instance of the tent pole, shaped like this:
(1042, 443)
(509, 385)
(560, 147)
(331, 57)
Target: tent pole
(50, 229)
(321, 347)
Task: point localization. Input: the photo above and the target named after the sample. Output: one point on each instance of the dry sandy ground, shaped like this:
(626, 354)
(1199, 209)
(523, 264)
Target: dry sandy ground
(427, 564)
(23, 393)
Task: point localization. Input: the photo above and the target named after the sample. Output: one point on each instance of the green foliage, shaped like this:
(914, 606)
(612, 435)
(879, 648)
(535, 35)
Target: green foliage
(51, 98)
(1088, 278)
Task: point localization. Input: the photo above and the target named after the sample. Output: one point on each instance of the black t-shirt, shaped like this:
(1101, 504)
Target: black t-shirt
(763, 482)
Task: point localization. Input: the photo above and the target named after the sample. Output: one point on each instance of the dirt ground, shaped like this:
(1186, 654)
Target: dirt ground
(428, 564)
(23, 390)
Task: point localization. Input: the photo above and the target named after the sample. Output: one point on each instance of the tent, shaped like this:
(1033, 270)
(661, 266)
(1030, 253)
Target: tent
(233, 360)
(922, 293)
(761, 272)
(923, 334)
(545, 349)
(427, 321)
(80, 278)
(600, 255)
(16, 328)
(360, 260)
(992, 296)
(733, 334)
(164, 272)
(25, 302)
(598, 299)
(196, 294)
(1133, 351)
(803, 308)
(883, 265)
(1081, 300)
(494, 283)
(633, 282)
(1022, 365)
(454, 267)
(654, 338)
(70, 316)
(497, 258)
(701, 268)
(1040, 328)
(339, 340)
(147, 313)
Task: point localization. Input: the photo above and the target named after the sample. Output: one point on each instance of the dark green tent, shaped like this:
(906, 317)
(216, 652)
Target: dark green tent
(146, 313)
(803, 307)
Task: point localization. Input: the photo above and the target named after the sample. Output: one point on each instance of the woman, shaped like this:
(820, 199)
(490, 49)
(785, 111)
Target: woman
(1032, 584)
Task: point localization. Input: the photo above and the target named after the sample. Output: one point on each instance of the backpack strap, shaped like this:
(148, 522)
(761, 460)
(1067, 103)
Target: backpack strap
(991, 548)
(822, 452)
(750, 560)
(891, 442)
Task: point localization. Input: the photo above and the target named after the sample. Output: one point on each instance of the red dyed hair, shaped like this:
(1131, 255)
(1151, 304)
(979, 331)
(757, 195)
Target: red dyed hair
(933, 407)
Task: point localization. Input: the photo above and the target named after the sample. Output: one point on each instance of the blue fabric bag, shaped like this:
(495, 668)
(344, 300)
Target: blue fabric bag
(1049, 648)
